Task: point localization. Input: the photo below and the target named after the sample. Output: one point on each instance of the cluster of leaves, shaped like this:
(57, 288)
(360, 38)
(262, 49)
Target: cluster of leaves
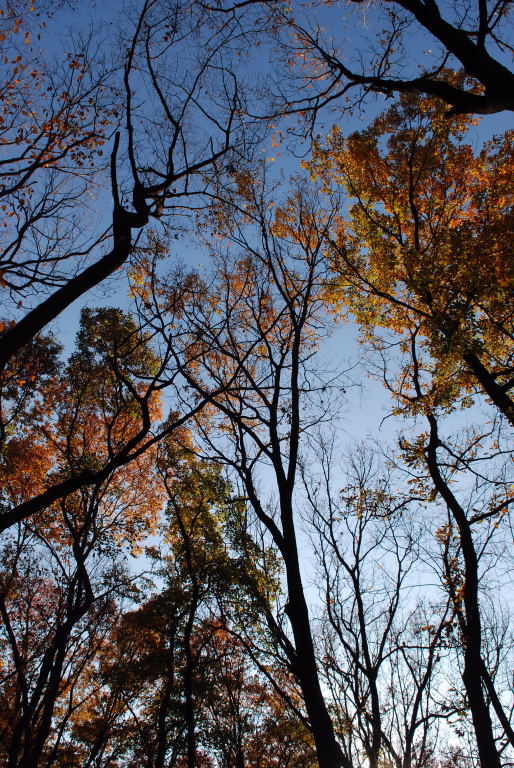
(63, 421)
(426, 248)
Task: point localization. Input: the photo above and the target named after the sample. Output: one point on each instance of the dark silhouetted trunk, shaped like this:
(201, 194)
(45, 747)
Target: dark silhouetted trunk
(471, 627)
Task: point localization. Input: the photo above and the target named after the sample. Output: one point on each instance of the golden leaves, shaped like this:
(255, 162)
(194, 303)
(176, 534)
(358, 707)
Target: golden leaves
(427, 242)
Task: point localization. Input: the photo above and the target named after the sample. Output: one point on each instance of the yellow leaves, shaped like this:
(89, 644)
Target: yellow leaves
(444, 533)
(427, 241)
(244, 183)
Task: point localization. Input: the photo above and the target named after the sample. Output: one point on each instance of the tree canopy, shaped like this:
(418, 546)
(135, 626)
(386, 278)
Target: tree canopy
(233, 236)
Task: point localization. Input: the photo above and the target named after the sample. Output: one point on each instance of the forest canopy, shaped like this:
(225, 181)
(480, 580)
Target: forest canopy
(256, 384)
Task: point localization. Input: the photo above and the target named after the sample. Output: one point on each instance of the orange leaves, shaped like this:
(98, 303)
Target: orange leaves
(427, 242)
(276, 139)
(244, 183)
(24, 467)
(50, 120)
(61, 427)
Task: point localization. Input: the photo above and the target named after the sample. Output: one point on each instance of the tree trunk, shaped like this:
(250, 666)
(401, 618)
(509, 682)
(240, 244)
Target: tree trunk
(328, 751)
(472, 630)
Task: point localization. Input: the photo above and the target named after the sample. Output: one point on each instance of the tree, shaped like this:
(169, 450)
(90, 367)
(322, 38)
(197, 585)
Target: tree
(243, 342)
(55, 120)
(200, 417)
(60, 570)
(464, 590)
(247, 722)
(416, 262)
(155, 180)
(427, 243)
(470, 477)
(409, 47)
(384, 644)
(115, 387)
(172, 687)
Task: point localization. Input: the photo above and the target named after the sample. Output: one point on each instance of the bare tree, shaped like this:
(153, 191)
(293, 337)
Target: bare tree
(243, 341)
(470, 476)
(407, 46)
(155, 180)
(383, 642)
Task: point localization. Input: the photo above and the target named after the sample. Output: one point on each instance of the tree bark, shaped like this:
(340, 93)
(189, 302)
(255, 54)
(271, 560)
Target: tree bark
(472, 630)
(328, 751)
(493, 390)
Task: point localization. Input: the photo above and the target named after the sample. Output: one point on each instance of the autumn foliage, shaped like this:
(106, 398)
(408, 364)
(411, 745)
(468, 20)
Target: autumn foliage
(255, 511)
(426, 248)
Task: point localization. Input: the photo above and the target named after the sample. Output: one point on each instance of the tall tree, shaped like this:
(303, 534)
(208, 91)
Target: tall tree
(470, 477)
(416, 261)
(172, 687)
(383, 653)
(427, 242)
(243, 341)
(52, 623)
